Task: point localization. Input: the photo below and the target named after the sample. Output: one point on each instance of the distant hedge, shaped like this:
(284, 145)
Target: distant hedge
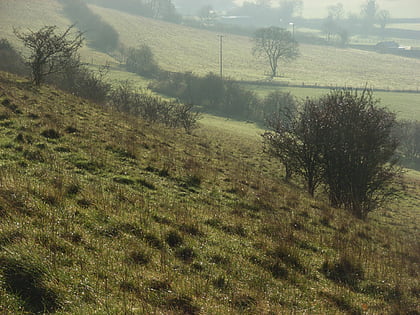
(101, 35)
(11, 60)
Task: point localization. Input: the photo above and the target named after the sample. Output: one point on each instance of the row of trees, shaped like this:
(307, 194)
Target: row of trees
(337, 27)
(343, 142)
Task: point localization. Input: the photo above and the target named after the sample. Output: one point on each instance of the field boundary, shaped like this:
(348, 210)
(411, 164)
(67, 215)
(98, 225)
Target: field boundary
(318, 86)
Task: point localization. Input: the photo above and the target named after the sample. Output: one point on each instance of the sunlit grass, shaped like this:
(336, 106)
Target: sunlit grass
(116, 215)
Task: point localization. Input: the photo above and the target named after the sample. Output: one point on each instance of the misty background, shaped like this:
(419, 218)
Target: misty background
(310, 8)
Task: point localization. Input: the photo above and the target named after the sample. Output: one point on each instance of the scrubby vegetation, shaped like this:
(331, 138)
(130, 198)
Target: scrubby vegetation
(141, 61)
(344, 141)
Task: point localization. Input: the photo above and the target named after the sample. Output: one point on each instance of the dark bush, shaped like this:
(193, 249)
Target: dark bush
(344, 141)
(11, 60)
(142, 61)
(345, 270)
(213, 94)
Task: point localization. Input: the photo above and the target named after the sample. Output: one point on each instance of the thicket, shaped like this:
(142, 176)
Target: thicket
(101, 35)
(84, 82)
(61, 66)
(152, 108)
(211, 93)
(345, 142)
(222, 96)
(408, 133)
(141, 61)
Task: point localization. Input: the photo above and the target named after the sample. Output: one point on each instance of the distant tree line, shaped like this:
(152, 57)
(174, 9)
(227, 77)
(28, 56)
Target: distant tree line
(100, 34)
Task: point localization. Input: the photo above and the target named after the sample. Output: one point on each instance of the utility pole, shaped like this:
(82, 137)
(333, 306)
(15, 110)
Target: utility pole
(221, 55)
(293, 29)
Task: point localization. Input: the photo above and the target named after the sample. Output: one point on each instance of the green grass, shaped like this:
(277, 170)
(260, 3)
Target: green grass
(109, 214)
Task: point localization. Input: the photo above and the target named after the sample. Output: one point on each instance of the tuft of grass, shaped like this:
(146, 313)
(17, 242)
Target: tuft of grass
(174, 239)
(346, 270)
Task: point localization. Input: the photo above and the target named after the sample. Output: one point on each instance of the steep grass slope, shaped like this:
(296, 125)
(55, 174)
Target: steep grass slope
(102, 213)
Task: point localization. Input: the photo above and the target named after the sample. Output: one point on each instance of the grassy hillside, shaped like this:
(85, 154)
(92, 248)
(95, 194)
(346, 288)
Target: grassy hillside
(103, 213)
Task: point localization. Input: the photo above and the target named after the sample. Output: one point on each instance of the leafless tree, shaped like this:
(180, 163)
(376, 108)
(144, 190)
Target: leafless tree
(51, 52)
(275, 43)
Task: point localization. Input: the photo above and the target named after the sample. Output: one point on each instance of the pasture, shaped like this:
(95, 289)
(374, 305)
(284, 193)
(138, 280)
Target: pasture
(180, 48)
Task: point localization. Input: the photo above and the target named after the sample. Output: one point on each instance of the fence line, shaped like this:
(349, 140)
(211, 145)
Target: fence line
(317, 86)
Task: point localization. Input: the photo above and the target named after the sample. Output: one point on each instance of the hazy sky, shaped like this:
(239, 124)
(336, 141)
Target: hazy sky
(397, 8)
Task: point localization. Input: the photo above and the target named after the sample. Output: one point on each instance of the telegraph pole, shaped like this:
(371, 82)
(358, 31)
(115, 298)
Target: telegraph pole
(221, 55)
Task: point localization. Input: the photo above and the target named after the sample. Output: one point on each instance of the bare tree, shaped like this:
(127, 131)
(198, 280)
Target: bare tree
(293, 139)
(51, 52)
(344, 141)
(275, 43)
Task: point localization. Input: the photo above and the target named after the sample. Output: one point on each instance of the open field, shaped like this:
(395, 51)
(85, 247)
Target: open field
(180, 48)
(105, 213)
